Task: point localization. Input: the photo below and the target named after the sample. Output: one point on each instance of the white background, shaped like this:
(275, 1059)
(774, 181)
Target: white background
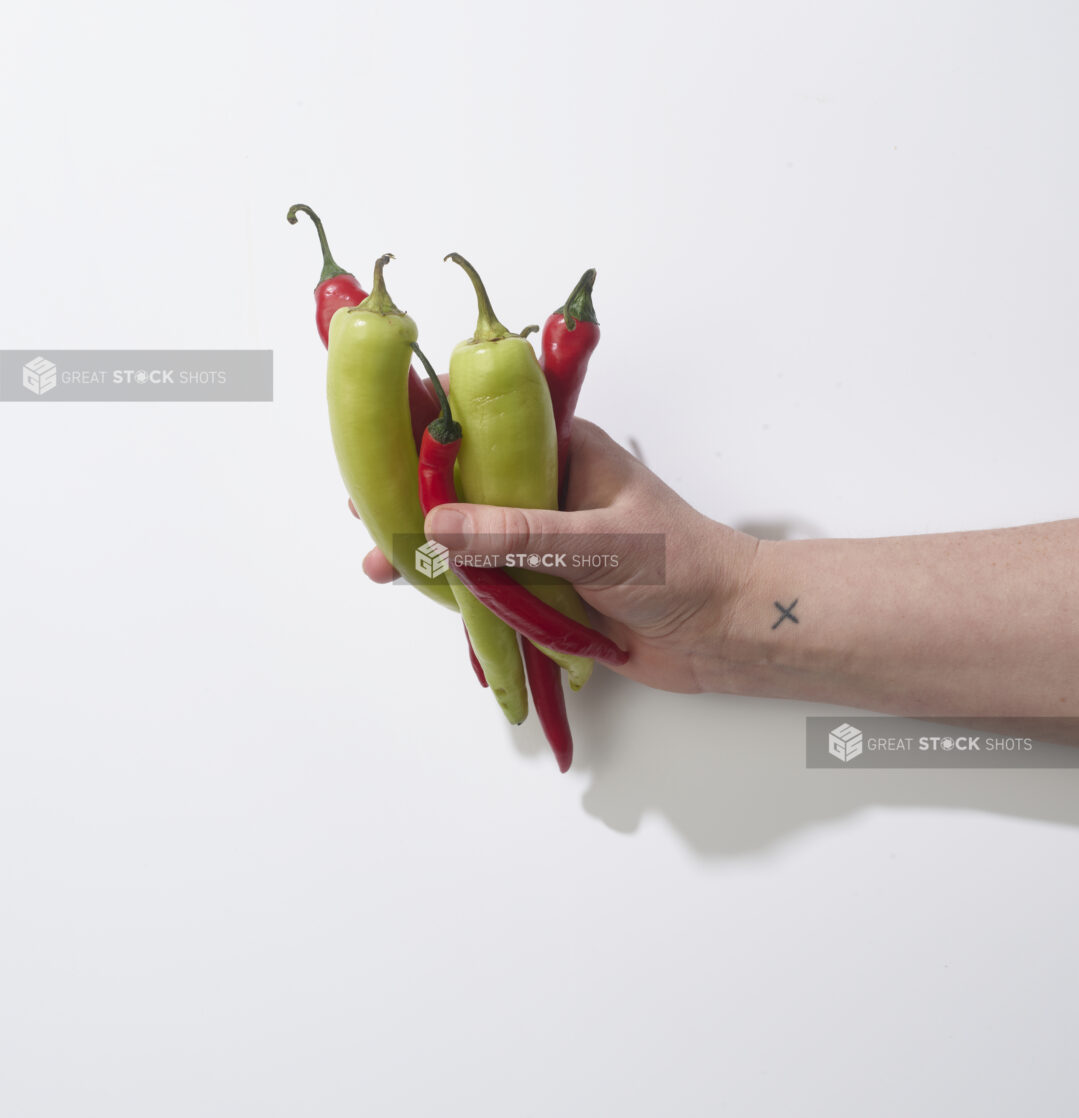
(265, 848)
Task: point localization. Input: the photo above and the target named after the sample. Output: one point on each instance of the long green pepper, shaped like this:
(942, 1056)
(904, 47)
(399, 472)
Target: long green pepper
(509, 455)
(367, 392)
(494, 643)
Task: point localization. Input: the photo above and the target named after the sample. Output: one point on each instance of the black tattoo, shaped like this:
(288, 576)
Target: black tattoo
(785, 612)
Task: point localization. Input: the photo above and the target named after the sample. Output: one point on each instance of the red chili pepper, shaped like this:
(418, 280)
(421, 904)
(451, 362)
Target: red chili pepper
(438, 453)
(502, 595)
(545, 683)
(338, 288)
(569, 337)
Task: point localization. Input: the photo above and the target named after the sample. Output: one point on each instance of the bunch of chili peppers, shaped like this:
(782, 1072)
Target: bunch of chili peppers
(500, 436)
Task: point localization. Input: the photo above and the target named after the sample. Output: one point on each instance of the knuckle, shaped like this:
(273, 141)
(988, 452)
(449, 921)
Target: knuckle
(584, 432)
(513, 526)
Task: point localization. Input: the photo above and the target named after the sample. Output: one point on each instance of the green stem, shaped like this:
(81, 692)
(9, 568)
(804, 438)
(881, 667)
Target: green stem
(379, 301)
(578, 307)
(444, 429)
(488, 328)
(330, 267)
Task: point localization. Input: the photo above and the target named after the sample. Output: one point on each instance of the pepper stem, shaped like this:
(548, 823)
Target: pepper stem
(488, 328)
(445, 429)
(330, 267)
(379, 301)
(578, 307)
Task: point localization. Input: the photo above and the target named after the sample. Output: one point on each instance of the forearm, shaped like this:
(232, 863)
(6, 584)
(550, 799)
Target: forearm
(965, 624)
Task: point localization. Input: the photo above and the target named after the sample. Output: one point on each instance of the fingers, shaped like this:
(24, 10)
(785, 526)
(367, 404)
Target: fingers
(375, 565)
(526, 538)
(378, 568)
(599, 470)
(585, 431)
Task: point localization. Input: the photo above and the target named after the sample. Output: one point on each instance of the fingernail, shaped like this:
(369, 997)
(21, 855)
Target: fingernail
(443, 523)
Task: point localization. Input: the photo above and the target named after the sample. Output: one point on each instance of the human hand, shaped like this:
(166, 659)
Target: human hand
(975, 622)
(672, 628)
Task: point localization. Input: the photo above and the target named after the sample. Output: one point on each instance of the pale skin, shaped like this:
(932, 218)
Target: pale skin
(963, 625)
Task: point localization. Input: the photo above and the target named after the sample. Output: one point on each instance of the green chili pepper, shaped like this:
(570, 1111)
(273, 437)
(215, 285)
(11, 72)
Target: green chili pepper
(367, 391)
(493, 642)
(509, 455)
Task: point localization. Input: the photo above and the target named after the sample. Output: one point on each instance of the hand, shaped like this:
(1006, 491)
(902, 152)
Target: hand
(672, 630)
(979, 623)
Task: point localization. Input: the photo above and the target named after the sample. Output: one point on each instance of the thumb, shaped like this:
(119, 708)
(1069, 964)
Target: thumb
(538, 539)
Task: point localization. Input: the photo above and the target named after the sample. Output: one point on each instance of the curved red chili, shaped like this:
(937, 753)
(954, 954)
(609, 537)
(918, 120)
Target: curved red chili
(569, 337)
(502, 595)
(338, 288)
(545, 683)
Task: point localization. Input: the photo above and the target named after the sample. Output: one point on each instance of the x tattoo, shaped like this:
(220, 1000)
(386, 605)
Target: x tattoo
(785, 612)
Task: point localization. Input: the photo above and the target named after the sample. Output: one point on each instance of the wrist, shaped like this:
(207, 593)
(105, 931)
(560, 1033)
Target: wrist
(765, 641)
(956, 624)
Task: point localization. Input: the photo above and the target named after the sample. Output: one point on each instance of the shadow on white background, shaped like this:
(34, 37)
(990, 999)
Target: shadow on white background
(728, 773)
